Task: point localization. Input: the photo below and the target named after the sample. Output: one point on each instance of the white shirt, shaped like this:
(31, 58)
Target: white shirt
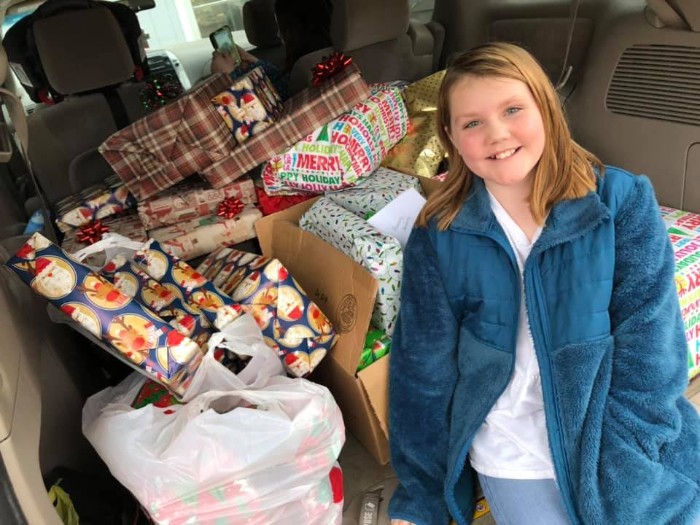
(512, 442)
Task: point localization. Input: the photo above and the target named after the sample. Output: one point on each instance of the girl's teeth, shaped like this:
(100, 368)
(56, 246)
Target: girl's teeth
(505, 154)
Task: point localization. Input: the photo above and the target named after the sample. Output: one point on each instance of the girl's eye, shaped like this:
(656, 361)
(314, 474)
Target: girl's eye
(513, 110)
(472, 124)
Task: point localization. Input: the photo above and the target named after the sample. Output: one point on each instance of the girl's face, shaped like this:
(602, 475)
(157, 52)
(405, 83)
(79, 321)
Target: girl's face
(497, 129)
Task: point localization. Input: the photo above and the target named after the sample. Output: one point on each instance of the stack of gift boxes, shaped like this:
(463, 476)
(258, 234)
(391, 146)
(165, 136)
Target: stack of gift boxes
(339, 153)
(182, 191)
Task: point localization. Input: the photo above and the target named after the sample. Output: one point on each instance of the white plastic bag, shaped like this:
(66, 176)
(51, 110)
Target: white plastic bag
(255, 456)
(243, 337)
(111, 245)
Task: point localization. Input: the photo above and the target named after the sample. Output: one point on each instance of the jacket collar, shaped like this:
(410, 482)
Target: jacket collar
(567, 220)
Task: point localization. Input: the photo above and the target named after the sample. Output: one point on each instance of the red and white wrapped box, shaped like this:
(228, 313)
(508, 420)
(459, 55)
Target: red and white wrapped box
(191, 200)
(190, 239)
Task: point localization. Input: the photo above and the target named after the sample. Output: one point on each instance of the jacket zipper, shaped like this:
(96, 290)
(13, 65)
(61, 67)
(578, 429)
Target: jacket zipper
(556, 439)
(462, 458)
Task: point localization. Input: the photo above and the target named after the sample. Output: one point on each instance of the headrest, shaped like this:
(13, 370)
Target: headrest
(83, 50)
(3, 65)
(360, 23)
(260, 23)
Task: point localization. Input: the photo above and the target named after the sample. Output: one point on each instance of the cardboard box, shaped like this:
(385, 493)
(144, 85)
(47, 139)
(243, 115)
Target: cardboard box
(345, 292)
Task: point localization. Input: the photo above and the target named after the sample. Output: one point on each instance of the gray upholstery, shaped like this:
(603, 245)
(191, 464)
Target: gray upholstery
(360, 23)
(262, 31)
(67, 130)
(381, 40)
(83, 50)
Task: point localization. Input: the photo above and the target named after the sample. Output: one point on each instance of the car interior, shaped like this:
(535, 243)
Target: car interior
(627, 71)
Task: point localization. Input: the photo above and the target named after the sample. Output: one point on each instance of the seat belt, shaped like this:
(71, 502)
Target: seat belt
(566, 68)
(116, 107)
(19, 121)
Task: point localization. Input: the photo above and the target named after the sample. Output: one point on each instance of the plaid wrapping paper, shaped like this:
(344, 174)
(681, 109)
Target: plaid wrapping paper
(189, 200)
(176, 141)
(302, 114)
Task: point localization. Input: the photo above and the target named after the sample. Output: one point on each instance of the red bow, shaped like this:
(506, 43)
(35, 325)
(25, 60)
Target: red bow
(91, 233)
(229, 208)
(329, 67)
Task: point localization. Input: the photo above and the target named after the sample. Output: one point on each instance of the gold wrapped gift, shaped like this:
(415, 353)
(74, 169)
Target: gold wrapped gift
(420, 151)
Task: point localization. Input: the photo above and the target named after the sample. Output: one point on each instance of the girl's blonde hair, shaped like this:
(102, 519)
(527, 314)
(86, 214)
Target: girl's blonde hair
(565, 170)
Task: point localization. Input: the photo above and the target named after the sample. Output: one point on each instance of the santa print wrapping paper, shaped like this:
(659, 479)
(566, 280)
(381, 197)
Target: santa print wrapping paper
(684, 231)
(380, 254)
(249, 106)
(291, 324)
(341, 152)
(189, 200)
(96, 202)
(306, 111)
(165, 300)
(198, 291)
(132, 332)
(200, 236)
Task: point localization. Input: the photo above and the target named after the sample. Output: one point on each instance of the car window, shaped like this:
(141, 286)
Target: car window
(170, 23)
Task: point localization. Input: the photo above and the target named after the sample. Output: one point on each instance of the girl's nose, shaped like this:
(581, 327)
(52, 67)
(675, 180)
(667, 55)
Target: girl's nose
(498, 131)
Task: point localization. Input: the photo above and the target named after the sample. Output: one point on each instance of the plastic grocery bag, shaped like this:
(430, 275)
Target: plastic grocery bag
(242, 337)
(255, 456)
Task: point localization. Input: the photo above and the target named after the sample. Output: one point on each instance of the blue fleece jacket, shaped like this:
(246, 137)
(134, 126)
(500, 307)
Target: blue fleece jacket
(609, 338)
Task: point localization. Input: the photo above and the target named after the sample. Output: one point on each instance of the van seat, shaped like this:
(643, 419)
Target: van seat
(382, 41)
(262, 31)
(85, 55)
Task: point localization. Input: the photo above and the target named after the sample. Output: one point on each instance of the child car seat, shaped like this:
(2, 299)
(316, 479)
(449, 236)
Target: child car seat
(24, 57)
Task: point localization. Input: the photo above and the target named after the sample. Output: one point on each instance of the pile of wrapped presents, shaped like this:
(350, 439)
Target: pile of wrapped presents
(248, 366)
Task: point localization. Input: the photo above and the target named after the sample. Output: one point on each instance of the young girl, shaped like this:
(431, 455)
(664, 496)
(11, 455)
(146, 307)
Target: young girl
(540, 343)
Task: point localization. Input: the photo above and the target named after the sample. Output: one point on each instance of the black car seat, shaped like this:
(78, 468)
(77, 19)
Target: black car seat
(382, 41)
(24, 60)
(88, 61)
(262, 31)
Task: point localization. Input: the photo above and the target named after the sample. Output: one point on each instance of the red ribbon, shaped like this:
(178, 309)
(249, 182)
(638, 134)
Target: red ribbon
(91, 233)
(329, 67)
(229, 208)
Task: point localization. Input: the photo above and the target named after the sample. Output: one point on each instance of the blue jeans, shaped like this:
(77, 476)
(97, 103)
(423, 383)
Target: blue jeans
(524, 501)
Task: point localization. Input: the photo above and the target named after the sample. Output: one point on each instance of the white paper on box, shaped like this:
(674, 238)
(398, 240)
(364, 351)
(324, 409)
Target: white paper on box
(398, 217)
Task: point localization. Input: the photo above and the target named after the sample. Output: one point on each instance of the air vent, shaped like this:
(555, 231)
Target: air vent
(659, 82)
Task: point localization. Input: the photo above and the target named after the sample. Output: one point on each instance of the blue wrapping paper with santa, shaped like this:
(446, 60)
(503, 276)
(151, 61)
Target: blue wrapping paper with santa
(165, 300)
(291, 324)
(198, 292)
(250, 105)
(129, 330)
